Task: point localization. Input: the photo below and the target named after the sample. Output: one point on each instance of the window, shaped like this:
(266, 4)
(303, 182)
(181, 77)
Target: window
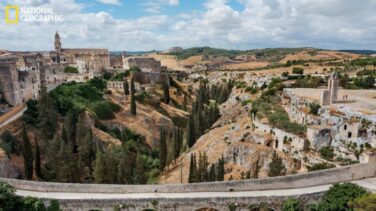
(345, 127)
(349, 134)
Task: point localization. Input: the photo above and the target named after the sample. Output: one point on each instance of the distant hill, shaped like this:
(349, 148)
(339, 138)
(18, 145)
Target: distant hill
(363, 52)
(118, 53)
(217, 52)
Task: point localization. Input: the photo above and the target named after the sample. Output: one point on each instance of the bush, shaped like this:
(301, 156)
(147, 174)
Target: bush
(298, 70)
(364, 203)
(339, 196)
(104, 111)
(291, 204)
(327, 153)
(320, 166)
(70, 69)
(10, 201)
(314, 108)
(9, 143)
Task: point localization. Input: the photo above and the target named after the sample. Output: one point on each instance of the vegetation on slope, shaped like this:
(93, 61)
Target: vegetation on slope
(272, 54)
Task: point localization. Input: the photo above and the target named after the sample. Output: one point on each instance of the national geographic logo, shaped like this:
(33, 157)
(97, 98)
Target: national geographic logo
(15, 14)
(11, 14)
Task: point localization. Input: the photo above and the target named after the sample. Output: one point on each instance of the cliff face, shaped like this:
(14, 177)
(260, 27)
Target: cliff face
(7, 169)
(232, 137)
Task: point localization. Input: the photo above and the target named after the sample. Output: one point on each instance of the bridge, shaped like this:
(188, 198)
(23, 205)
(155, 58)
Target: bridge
(229, 195)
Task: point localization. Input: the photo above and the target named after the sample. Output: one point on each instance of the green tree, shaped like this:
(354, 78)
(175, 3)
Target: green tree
(339, 196)
(86, 151)
(37, 164)
(126, 87)
(99, 168)
(191, 132)
(68, 166)
(140, 175)
(47, 117)
(364, 203)
(166, 93)
(27, 155)
(9, 143)
(124, 168)
(162, 149)
(276, 167)
(291, 204)
(133, 100)
(31, 114)
(192, 169)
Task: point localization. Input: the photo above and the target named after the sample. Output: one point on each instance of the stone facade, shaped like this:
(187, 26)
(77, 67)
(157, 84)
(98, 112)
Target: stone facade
(146, 64)
(330, 95)
(347, 126)
(94, 60)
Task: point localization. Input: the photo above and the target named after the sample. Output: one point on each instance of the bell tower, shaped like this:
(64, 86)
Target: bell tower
(57, 43)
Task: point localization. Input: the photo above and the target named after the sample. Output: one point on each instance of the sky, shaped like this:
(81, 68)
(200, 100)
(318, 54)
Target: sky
(140, 25)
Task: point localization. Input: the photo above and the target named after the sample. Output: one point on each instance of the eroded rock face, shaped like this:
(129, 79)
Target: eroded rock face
(7, 169)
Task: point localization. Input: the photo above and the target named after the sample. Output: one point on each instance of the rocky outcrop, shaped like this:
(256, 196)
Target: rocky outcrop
(7, 169)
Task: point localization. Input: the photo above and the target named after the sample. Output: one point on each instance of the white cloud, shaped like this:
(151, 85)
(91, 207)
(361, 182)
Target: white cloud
(334, 24)
(156, 6)
(111, 2)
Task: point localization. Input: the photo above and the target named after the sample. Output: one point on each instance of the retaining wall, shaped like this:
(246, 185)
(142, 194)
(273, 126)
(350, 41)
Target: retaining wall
(328, 176)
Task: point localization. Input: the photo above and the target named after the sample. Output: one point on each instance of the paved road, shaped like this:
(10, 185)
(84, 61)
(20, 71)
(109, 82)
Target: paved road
(369, 184)
(50, 87)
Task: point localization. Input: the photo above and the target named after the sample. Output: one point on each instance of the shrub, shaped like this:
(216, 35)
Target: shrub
(364, 203)
(9, 143)
(291, 204)
(314, 108)
(70, 69)
(327, 153)
(10, 201)
(339, 196)
(298, 70)
(103, 111)
(320, 166)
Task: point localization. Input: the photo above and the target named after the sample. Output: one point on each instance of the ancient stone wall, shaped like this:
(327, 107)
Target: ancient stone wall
(329, 176)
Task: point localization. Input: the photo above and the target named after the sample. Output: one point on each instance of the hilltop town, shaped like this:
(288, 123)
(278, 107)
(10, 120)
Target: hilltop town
(302, 109)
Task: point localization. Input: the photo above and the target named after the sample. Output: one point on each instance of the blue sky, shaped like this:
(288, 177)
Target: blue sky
(160, 24)
(138, 8)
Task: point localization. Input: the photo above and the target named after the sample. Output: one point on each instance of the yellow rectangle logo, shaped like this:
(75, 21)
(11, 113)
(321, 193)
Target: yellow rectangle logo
(8, 18)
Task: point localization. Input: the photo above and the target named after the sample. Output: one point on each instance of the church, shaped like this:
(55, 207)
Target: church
(92, 59)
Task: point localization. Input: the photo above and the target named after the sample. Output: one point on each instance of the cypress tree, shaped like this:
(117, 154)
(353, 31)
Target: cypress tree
(68, 169)
(166, 93)
(27, 155)
(47, 117)
(124, 173)
(100, 168)
(126, 87)
(162, 149)
(133, 100)
(191, 132)
(212, 176)
(140, 170)
(276, 167)
(192, 169)
(220, 169)
(111, 168)
(86, 150)
(37, 164)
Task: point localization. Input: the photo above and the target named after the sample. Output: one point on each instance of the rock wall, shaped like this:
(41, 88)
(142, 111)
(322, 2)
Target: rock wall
(329, 176)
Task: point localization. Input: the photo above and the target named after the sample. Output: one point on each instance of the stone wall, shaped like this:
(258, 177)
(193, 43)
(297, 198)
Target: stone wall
(329, 176)
(188, 204)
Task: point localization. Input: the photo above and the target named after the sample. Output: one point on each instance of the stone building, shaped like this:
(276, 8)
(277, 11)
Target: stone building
(18, 84)
(146, 64)
(95, 59)
(330, 95)
(348, 125)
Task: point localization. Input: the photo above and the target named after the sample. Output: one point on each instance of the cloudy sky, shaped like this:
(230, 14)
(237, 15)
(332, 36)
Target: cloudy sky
(160, 24)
